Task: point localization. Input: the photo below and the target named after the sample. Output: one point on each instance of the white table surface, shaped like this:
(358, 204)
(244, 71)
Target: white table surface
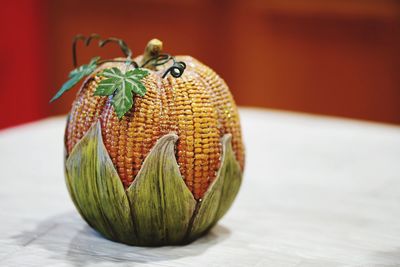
(317, 191)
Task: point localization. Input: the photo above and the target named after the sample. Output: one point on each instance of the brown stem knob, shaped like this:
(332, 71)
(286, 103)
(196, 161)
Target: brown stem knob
(153, 49)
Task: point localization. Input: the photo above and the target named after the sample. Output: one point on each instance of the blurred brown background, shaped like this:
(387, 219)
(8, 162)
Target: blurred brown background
(332, 57)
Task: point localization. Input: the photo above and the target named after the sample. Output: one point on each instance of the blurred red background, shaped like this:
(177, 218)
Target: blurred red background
(327, 57)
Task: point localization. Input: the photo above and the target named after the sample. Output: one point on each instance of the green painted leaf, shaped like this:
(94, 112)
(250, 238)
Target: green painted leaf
(122, 101)
(122, 86)
(76, 75)
(137, 74)
(106, 87)
(137, 86)
(96, 188)
(220, 194)
(161, 203)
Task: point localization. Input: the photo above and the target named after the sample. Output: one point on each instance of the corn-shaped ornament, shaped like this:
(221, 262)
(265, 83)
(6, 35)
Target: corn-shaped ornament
(153, 147)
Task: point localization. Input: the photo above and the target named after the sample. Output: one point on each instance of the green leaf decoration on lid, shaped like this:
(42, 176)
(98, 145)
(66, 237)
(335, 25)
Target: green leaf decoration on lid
(122, 86)
(76, 75)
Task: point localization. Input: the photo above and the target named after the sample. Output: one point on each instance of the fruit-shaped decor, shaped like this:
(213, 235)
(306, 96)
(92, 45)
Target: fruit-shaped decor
(154, 153)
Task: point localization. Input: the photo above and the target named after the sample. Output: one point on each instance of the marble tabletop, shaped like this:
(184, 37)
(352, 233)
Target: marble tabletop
(317, 191)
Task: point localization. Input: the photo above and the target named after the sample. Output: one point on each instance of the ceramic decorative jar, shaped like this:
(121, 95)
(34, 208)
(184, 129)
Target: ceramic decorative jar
(153, 147)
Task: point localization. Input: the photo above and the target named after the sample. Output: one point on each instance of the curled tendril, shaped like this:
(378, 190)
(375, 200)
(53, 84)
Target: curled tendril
(176, 70)
(86, 40)
(124, 47)
(91, 37)
(157, 60)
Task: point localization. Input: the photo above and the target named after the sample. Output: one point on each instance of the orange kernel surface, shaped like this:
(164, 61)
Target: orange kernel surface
(198, 107)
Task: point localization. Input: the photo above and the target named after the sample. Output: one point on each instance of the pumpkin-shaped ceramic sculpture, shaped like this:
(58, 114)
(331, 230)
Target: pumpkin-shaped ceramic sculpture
(154, 153)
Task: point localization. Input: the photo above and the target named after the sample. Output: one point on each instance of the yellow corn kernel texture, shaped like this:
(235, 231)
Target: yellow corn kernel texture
(198, 107)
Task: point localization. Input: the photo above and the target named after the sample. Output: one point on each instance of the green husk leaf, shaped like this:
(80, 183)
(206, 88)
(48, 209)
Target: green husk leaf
(122, 86)
(158, 208)
(160, 200)
(76, 75)
(232, 178)
(96, 188)
(221, 193)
